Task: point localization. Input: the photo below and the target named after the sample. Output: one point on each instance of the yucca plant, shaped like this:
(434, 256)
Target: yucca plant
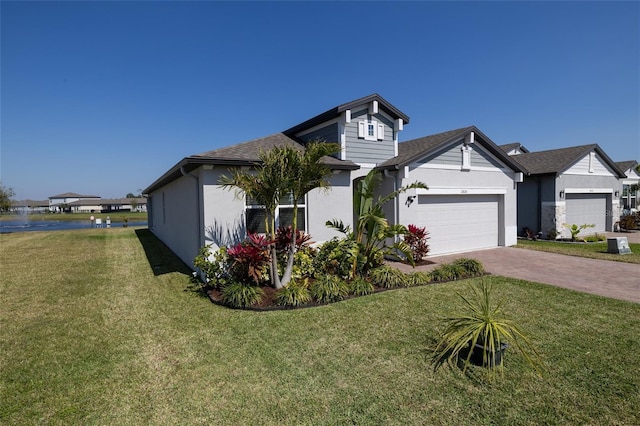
(241, 295)
(388, 277)
(483, 327)
(295, 294)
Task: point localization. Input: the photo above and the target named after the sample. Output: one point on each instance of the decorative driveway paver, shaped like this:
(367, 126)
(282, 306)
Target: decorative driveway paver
(617, 280)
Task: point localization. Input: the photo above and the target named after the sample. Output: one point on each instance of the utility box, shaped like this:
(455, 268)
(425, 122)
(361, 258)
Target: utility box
(618, 245)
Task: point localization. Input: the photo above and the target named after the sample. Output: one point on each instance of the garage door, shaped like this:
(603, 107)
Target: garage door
(587, 208)
(459, 223)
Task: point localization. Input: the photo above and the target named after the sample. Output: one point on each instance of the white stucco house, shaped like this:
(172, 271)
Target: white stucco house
(470, 203)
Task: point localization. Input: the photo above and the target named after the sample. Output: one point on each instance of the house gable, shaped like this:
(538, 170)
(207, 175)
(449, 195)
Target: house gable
(590, 164)
(366, 129)
(453, 157)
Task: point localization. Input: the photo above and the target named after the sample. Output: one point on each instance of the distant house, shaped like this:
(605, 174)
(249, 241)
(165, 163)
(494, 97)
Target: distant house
(470, 203)
(138, 204)
(30, 206)
(575, 185)
(631, 181)
(71, 202)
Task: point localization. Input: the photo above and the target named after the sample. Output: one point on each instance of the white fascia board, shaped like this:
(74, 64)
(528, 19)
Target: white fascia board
(319, 126)
(445, 190)
(588, 190)
(367, 165)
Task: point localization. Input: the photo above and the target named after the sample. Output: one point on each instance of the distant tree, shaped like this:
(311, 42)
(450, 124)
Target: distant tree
(6, 197)
(638, 168)
(130, 195)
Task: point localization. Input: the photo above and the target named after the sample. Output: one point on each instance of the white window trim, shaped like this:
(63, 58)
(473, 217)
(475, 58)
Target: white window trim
(378, 130)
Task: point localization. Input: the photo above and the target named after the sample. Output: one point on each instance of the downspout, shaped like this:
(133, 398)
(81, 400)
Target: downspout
(198, 205)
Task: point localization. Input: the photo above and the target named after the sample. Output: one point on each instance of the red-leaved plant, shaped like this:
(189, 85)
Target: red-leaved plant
(250, 259)
(417, 240)
(283, 238)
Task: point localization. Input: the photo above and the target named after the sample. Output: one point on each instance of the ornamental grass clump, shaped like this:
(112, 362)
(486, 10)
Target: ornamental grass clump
(388, 277)
(295, 294)
(241, 295)
(329, 288)
(470, 267)
(419, 278)
(483, 326)
(360, 287)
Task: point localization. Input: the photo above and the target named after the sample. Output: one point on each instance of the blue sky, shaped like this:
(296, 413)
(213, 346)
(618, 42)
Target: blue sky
(103, 97)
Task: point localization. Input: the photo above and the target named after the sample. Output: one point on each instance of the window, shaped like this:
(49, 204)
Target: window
(629, 197)
(370, 130)
(256, 214)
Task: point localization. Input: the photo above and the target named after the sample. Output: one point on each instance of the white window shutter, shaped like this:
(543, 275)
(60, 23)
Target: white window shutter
(361, 129)
(380, 132)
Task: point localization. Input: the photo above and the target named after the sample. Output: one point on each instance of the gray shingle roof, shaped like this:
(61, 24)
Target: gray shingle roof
(73, 195)
(626, 165)
(383, 104)
(555, 161)
(416, 149)
(241, 154)
(511, 146)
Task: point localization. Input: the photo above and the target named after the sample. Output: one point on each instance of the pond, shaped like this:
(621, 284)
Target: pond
(54, 225)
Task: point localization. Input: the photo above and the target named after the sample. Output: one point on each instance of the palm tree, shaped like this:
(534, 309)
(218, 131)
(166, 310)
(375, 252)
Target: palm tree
(306, 173)
(283, 171)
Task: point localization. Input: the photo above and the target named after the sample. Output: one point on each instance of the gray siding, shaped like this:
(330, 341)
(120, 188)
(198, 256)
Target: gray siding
(327, 134)
(364, 151)
(449, 156)
(529, 200)
(479, 158)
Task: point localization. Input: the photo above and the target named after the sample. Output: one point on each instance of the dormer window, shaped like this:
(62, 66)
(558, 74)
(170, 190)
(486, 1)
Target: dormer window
(370, 130)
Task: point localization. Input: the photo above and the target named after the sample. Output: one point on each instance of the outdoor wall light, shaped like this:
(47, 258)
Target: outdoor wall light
(562, 194)
(410, 199)
(617, 194)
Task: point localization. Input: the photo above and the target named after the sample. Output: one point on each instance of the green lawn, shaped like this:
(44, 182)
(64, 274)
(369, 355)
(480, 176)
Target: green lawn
(590, 250)
(103, 327)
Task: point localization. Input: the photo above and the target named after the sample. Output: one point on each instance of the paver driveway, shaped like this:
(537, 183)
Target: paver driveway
(602, 277)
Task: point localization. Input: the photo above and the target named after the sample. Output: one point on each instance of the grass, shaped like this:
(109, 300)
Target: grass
(116, 217)
(590, 250)
(104, 327)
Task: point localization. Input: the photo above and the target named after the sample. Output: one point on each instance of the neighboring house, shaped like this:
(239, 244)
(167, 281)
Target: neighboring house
(67, 202)
(123, 205)
(575, 185)
(630, 194)
(470, 204)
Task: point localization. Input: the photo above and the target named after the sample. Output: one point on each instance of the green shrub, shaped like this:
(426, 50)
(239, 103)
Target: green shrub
(216, 270)
(296, 293)
(329, 288)
(360, 287)
(419, 278)
(595, 238)
(388, 277)
(336, 257)
(471, 267)
(241, 295)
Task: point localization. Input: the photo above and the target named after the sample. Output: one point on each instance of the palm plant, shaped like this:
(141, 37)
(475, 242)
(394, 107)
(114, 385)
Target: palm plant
(484, 326)
(282, 171)
(372, 229)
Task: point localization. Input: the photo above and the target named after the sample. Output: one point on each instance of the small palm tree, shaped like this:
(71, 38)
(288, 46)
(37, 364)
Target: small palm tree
(283, 171)
(372, 229)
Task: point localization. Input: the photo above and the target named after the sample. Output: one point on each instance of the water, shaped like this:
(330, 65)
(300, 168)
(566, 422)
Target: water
(25, 225)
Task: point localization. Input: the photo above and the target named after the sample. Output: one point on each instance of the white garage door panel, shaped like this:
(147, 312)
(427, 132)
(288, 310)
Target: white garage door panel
(459, 223)
(587, 208)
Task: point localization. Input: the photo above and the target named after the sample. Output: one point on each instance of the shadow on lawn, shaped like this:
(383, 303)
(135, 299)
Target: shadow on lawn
(161, 259)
